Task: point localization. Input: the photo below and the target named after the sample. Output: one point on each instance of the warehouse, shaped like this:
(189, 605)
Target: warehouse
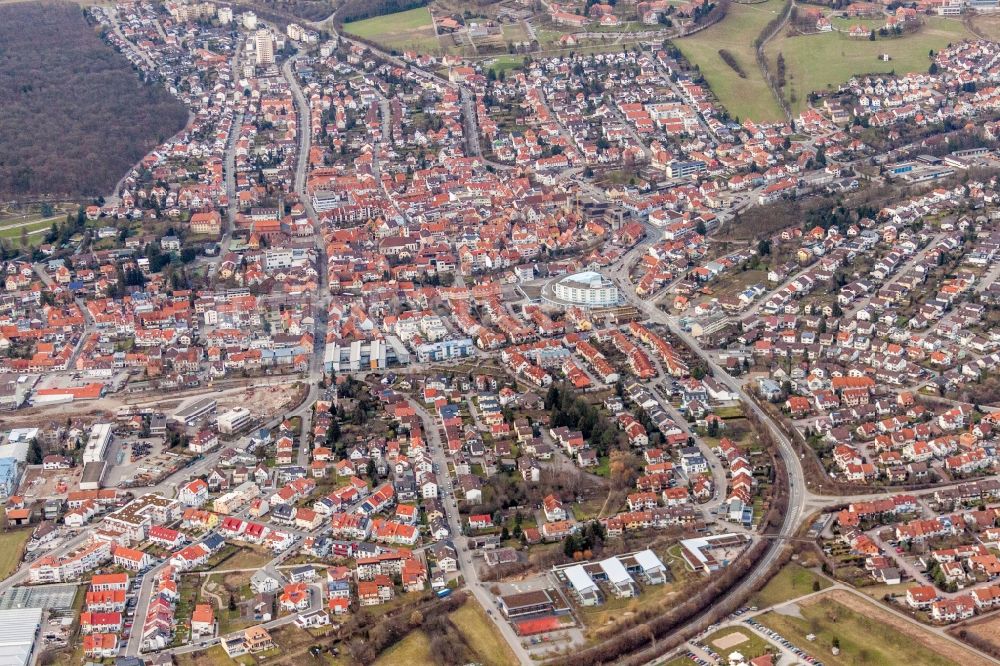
(18, 630)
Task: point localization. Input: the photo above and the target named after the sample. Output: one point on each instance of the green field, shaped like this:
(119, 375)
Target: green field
(11, 548)
(822, 61)
(792, 581)
(479, 633)
(748, 98)
(415, 648)
(402, 31)
(862, 639)
(507, 63)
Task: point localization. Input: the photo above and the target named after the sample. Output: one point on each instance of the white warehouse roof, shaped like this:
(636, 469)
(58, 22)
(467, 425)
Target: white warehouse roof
(18, 628)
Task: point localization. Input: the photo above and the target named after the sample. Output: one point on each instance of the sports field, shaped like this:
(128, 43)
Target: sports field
(748, 98)
(822, 61)
(402, 31)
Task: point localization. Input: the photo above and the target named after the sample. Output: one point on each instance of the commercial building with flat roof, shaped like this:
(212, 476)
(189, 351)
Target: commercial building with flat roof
(191, 411)
(97, 443)
(527, 603)
(588, 289)
(18, 631)
(233, 420)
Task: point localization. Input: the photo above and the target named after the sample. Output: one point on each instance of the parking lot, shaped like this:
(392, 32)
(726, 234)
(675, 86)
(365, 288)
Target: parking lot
(703, 654)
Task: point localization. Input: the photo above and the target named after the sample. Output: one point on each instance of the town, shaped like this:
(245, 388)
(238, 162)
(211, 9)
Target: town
(524, 349)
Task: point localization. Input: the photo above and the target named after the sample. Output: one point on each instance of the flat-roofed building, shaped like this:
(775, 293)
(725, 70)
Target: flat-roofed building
(523, 604)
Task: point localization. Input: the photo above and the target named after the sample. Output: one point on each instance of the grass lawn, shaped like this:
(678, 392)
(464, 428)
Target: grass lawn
(822, 61)
(751, 648)
(730, 412)
(506, 63)
(863, 640)
(214, 656)
(32, 229)
(11, 549)
(479, 632)
(792, 581)
(414, 649)
(744, 98)
(402, 31)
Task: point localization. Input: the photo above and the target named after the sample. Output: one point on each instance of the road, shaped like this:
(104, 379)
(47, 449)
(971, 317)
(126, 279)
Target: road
(321, 299)
(229, 163)
(465, 565)
(796, 478)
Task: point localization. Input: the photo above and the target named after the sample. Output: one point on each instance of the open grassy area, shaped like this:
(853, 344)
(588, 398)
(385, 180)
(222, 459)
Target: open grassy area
(479, 632)
(751, 647)
(402, 31)
(214, 656)
(506, 63)
(792, 581)
(414, 649)
(823, 61)
(11, 548)
(986, 25)
(245, 558)
(863, 638)
(745, 98)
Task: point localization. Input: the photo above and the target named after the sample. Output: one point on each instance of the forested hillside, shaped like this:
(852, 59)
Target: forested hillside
(74, 115)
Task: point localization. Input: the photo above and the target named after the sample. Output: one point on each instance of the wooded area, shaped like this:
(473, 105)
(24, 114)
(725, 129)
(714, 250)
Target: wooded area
(76, 115)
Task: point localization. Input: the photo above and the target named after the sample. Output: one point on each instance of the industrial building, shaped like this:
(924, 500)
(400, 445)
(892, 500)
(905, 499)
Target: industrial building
(97, 443)
(191, 412)
(233, 420)
(18, 631)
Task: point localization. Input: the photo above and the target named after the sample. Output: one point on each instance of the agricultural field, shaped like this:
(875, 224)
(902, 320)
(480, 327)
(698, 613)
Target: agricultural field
(792, 581)
(866, 634)
(822, 61)
(402, 31)
(743, 97)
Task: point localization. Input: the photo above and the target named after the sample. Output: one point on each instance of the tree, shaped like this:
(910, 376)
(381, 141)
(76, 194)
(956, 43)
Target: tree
(34, 452)
(416, 618)
(232, 602)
